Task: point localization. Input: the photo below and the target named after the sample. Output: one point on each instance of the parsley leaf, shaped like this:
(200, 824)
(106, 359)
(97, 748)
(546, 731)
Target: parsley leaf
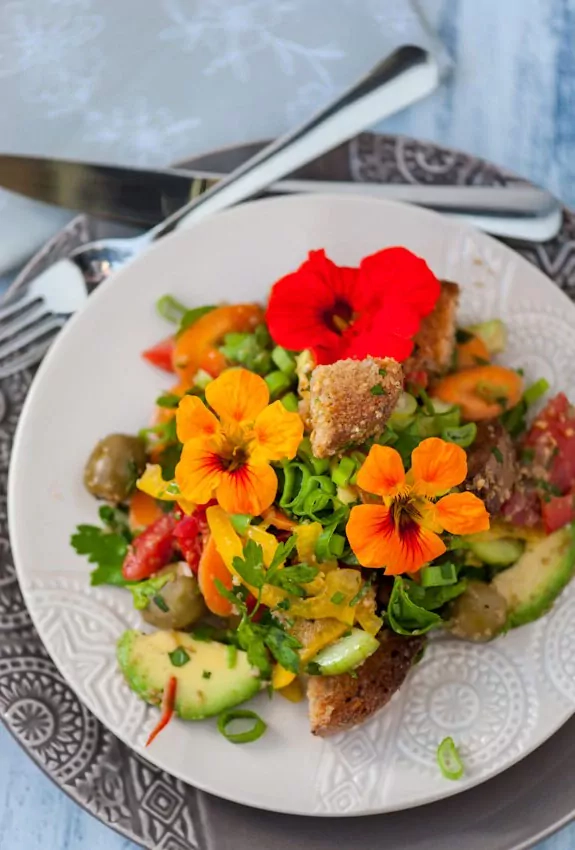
(168, 400)
(105, 549)
(290, 579)
(283, 647)
(283, 552)
(251, 566)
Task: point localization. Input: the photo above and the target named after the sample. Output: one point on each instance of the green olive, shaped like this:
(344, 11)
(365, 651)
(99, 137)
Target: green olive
(113, 467)
(479, 614)
(178, 605)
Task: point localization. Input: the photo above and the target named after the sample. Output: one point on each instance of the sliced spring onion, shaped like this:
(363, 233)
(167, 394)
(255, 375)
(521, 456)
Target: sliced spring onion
(438, 575)
(329, 545)
(403, 412)
(249, 735)
(278, 382)
(535, 391)
(283, 360)
(290, 402)
(341, 475)
(318, 465)
(171, 309)
(449, 760)
(240, 523)
(463, 436)
(232, 653)
(262, 336)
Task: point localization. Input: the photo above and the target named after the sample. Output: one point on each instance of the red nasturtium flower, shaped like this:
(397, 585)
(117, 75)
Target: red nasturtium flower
(341, 312)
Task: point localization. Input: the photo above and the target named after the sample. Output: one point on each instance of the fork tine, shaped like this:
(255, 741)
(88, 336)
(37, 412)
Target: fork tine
(16, 306)
(28, 358)
(30, 317)
(36, 332)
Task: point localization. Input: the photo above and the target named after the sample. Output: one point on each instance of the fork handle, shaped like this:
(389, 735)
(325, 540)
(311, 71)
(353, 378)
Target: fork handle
(407, 75)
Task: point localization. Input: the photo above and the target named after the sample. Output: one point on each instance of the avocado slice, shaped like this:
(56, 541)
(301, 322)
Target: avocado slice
(532, 585)
(210, 681)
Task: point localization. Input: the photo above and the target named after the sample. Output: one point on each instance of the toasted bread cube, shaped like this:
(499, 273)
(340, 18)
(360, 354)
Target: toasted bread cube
(337, 703)
(350, 401)
(435, 340)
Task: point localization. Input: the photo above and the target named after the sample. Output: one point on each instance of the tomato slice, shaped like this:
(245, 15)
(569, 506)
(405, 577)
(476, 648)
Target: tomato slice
(151, 550)
(552, 439)
(191, 533)
(161, 354)
(558, 511)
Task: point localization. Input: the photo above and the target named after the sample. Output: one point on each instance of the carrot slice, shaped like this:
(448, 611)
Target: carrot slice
(144, 510)
(195, 344)
(167, 709)
(276, 517)
(483, 392)
(212, 567)
(473, 352)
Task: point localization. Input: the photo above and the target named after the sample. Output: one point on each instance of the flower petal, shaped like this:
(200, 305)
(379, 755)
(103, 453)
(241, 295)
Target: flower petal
(199, 472)
(297, 322)
(378, 542)
(382, 473)
(277, 434)
(194, 420)
(462, 513)
(382, 333)
(400, 275)
(248, 490)
(437, 466)
(238, 395)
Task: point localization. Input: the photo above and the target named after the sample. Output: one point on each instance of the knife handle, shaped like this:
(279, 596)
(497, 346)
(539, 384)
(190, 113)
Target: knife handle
(407, 75)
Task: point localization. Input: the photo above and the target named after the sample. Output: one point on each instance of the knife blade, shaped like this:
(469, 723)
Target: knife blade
(146, 196)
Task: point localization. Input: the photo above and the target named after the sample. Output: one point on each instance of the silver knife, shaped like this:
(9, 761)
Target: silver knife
(146, 196)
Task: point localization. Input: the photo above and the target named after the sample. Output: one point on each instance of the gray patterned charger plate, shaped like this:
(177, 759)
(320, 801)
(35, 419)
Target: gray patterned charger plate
(510, 812)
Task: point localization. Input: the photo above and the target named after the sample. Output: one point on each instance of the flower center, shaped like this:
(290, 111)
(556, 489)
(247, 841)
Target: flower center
(236, 458)
(339, 317)
(406, 516)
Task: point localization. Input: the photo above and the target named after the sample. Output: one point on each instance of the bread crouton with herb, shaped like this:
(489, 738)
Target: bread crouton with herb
(337, 703)
(435, 339)
(350, 401)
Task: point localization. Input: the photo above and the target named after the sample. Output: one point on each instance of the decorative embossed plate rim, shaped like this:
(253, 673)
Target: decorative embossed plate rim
(499, 711)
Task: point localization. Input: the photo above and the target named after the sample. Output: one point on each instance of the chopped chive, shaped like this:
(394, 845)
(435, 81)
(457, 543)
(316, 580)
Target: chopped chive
(283, 360)
(206, 674)
(449, 759)
(249, 735)
(170, 309)
(343, 472)
(179, 657)
(338, 598)
(528, 455)
(173, 489)
(426, 401)
(161, 603)
(313, 669)
(378, 390)
(382, 372)
(496, 452)
(290, 402)
(284, 605)
(241, 523)
(535, 391)
(438, 575)
(277, 383)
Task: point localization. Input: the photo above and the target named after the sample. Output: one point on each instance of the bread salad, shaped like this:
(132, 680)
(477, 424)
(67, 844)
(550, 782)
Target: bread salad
(331, 477)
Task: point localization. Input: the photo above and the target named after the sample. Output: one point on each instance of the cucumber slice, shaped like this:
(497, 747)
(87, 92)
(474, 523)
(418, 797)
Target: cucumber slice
(497, 553)
(492, 333)
(403, 412)
(345, 654)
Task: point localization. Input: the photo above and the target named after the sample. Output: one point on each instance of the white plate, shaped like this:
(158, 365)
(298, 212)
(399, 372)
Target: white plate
(498, 701)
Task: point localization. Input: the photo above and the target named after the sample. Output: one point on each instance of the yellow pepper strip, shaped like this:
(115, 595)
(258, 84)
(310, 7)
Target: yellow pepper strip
(292, 692)
(345, 583)
(365, 614)
(229, 545)
(307, 535)
(313, 636)
(154, 485)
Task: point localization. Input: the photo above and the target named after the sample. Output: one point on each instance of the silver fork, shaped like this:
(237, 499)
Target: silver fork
(28, 325)
(405, 76)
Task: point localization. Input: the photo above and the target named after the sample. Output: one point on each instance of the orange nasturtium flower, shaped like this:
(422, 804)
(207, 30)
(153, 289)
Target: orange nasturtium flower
(402, 533)
(228, 458)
